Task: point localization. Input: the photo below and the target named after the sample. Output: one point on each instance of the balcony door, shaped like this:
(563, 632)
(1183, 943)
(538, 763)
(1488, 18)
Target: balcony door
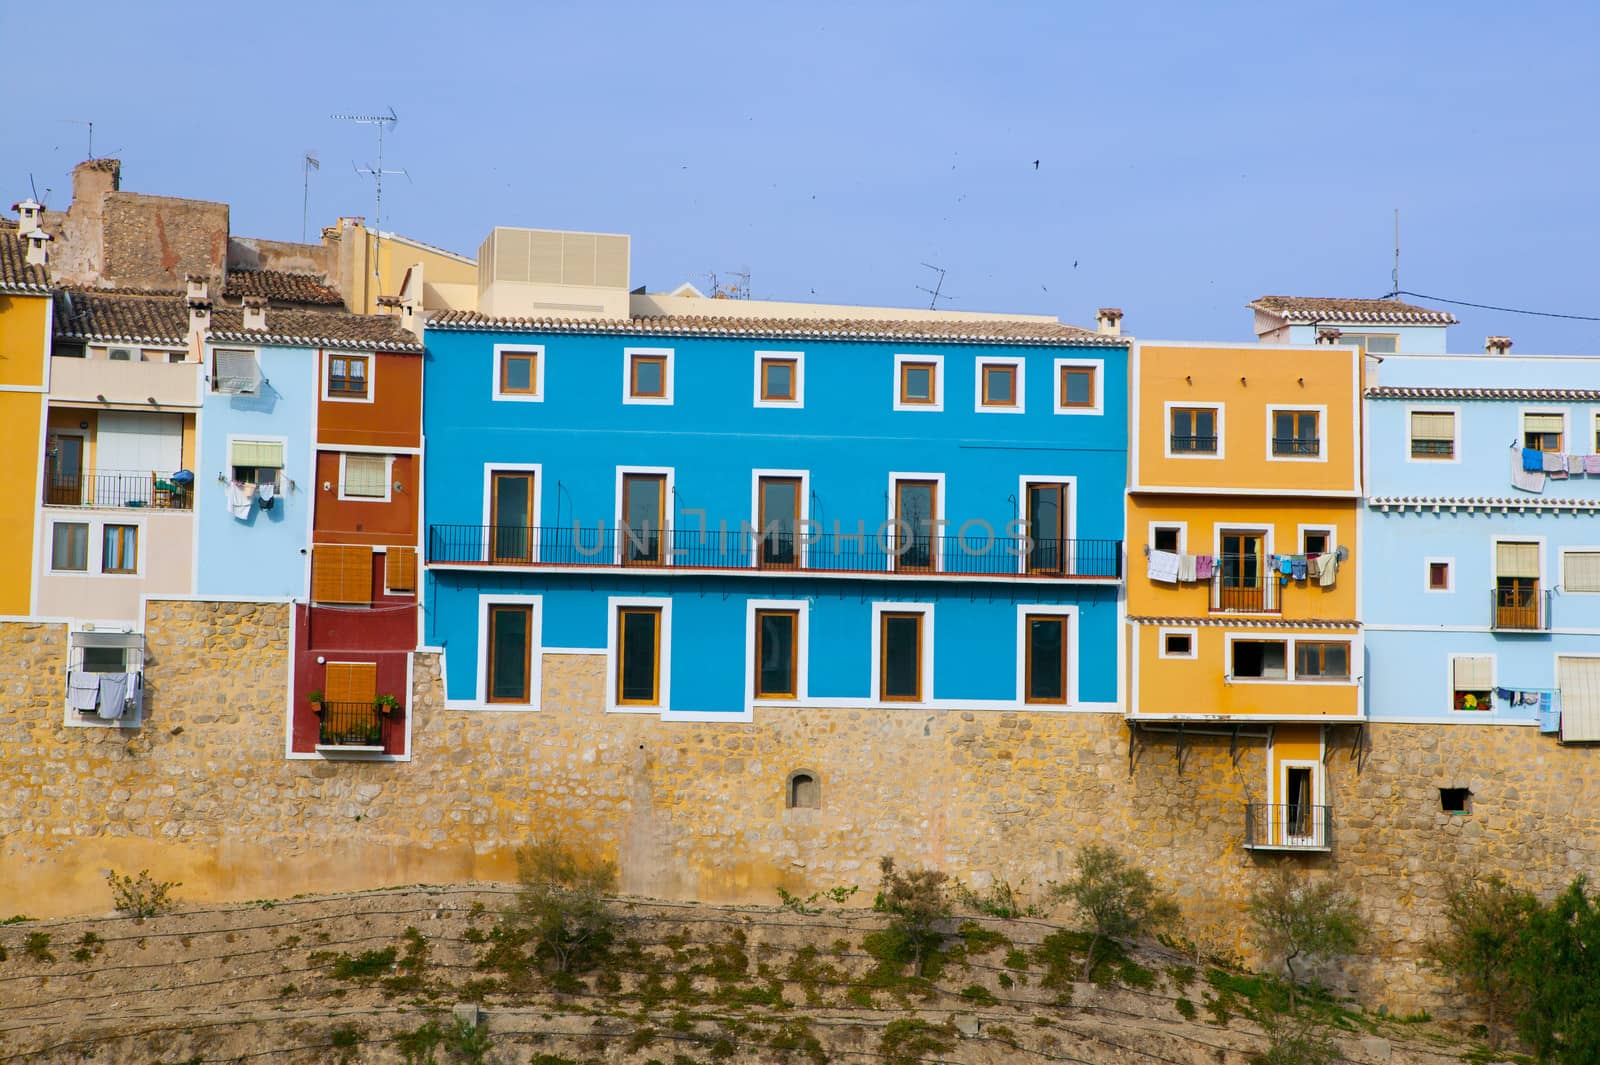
(63, 486)
(1047, 528)
(1299, 806)
(1516, 585)
(1242, 582)
(778, 521)
(916, 506)
(644, 497)
(511, 517)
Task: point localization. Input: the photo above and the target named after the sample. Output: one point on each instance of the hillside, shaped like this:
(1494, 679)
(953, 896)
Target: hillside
(374, 977)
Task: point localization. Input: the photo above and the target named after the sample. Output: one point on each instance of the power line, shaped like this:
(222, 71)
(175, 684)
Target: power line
(1492, 307)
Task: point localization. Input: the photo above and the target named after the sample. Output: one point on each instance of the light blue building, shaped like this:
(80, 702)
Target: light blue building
(744, 511)
(1481, 586)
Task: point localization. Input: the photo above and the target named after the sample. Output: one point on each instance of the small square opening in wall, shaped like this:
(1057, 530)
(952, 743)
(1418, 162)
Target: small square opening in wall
(1438, 576)
(1178, 644)
(1166, 538)
(1455, 800)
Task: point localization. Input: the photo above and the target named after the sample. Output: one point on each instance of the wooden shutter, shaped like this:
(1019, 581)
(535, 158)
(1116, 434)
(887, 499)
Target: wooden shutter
(1580, 571)
(1516, 560)
(1433, 425)
(1474, 673)
(350, 682)
(1579, 681)
(1542, 423)
(400, 569)
(341, 574)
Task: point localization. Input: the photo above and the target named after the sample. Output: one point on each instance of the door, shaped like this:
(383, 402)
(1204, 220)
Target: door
(643, 514)
(511, 517)
(780, 512)
(1242, 585)
(349, 718)
(916, 505)
(1299, 812)
(1047, 528)
(63, 486)
(132, 450)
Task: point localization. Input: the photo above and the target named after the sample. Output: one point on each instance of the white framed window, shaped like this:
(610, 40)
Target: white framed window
(1079, 386)
(1580, 570)
(1178, 643)
(777, 636)
(1047, 656)
(257, 460)
(1317, 539)
(1471, 682)
(518, 373)
(1544, 430)
(347, 377)
(902, 654)
(1171, 536)
(1266, 658)
(69, 546)
(235, 371)
(1000, 385)
(510, 651)
(1438, 575)
(105, 678)
(102, 546)
(1373, 343)
(780, 512)
(1431, 434)
(639, 654)
(647, 376)
(916, 521)
(919, 382)
(1194, 430)
(780, 379)
(365, 477)
(1297, 434)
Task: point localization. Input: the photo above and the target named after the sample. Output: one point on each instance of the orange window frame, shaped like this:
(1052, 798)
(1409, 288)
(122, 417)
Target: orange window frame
(793, 617)
(932, 369)
(623, 613)
(1068, 372)
(637, 360)
(791, 483)
(516, 545)
(883, 656)
(999, 368)
(126, 537)
(767, 393)
(532, 359)
(1027, 666)
(496, 612)
(339, 384)
(659, 529)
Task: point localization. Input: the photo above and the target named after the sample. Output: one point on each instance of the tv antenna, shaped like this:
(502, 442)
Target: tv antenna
(34, 189)
(376, 171)
(1395, 277)
(307, 164)
(936, 292)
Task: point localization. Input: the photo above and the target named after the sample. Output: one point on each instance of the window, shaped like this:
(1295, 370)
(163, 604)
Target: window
(804, 791)
(517, 373)
(510, 635)
(1077, 387)
(1193, 431)
(119, 549)
(900, 657)
(1373, 343)
(1580, 571)
(1516, 585)
(363, 476)
(1045, 664)
(235, 372)
(1472, 682)
(1433, 434)
(256, 461)
(1454, 800)
(341, 573)
(643, 516)
(779, 514)
(511, 502)
(777, 649)
(1047, 528)
(778, 379)
(1000, 385)
(639, 656)
(177, 356)
(1295, 434)
(916, 509)
(1440, 578)
(1318, 660)
(1260, 659)
(105, 660)
(121, 355)
(919, 383)
(400, 569)
(1167, 538)
(1179, 644)
(1543, 432)
(347, 376)
(69, 546)
(1316, 541)
(1242, 581)
(649, 375)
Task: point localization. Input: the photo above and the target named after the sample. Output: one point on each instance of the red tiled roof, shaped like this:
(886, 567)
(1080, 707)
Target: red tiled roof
(16, 273)
(282, 286)
(1335, 311)
(996, 331)
(1585, 395)
(89, 315)
(1249, 621)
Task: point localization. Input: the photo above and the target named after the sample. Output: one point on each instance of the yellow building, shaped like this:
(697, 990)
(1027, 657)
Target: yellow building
(369, 266)
(24, 365)
(1245, 479)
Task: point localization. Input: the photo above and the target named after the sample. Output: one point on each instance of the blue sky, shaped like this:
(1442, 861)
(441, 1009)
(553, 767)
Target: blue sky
(1191, 156)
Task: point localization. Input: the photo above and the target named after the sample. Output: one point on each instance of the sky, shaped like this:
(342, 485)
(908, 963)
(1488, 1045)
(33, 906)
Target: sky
(1172, 159)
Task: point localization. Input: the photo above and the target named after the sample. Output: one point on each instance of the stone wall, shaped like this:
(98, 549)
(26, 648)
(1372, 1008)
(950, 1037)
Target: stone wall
(202, 793)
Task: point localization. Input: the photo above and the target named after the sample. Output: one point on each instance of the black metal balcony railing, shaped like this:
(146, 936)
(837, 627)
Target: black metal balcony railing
(350, 725)
(869, 552)
(1293, 445)
(1196, 445)
(1520, 609)
(112, 488)
(1432, 449)
(1244, 584)
(1287, 826)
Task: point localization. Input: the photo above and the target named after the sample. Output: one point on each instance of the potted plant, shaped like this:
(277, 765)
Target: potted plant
(386, 703)
(373, 736)
(315, 699)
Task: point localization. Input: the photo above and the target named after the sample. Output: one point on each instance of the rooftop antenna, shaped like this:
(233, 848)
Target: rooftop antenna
(308, 164)
(740, 291)
(84, 122)
(34, 189)
(935, 293)
(376, 171)
(1395, 277)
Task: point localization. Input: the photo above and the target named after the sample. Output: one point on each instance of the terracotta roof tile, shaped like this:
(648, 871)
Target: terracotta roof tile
(1586, 395)
(1250, 621)
(282, 286)
(1485, 503)
(89, 315)
(83, 315)
(1334, 311)
(16, 274)
(997, 331)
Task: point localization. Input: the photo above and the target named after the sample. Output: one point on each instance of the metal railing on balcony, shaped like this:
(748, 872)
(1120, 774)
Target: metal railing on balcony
(1193, 445)
(1244, 584)
(1295, 446)
(981, 555)
(117, 488)
(351, 725)
(1288, 826)
(1520, 609)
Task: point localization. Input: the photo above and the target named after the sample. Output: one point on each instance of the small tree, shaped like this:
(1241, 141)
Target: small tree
(1558, 969)
(1296, 1041)
(1485, 920)
(1299, 921)
(918, 903)
(1118, 898)
(141, 896)
(562, 902)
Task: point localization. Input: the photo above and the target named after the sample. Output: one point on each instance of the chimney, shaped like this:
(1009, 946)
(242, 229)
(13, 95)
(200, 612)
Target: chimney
(30, 215)
(199, 311)
(93, 178)
(38, 254)
(1329, 335)
(411, 318)
(1497, 345)
(255, 312)
(1108, 321)
(199, 288)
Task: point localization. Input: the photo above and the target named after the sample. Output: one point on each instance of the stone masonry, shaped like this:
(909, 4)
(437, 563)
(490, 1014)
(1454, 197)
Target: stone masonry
(203, 794)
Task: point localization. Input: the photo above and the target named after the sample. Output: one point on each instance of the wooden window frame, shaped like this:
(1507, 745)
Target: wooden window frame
(336, 390)
(932, 368)
(1430, 451)
(509, 355)
(1287, 447)
(122, 533)
(400, 570)
(622, 655)
(1544, 445)
(624, 543)
(1007, 368)
(1215, 451)
(1061, 534)
(883, 655)
(527, 553)
(1061, 621)
(935, 546)
(1092, 372)
(83, 529)
(526, 610)
(1322, 660)
(1444, 567)
(794, 652)
(798, 484)
(637, 359)
(349, 581)
(770, 362)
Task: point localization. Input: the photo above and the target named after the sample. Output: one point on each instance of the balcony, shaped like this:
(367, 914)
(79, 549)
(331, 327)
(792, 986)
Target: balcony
(823, 553)
(1288, 827)
(1192, 445)
(1244, 586)
(1295, 447)
(112, 489)
(151, 385)
(1520, 609)
(353, 728)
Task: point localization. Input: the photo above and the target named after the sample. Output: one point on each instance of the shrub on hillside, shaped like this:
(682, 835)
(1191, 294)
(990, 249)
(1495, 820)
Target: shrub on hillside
(1119, 899)
(1298, 921)
(1485, 921)
(561, 903)
(1557, 970)
(141, 896)
(918, 904)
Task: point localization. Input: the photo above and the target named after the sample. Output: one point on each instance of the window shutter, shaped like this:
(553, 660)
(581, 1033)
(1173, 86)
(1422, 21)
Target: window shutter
(235, 371)
(1579, 681)
(1474, 673)
(400, 569)
(341, 573)
(350, 682)
(1433, 425)
(1580, 571)
(1541, 423)
(366, 475)
(257, 453)
(1516, 560)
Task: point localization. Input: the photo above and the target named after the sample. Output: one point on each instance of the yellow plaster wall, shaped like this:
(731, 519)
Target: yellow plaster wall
(24, 340)
(1199, 686)
(1294, 743)
(20, 487)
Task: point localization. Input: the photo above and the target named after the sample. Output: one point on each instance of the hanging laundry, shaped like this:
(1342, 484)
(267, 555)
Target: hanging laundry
(1526, 477)
(1591, 464)
(1285, 565)
(265, 494)
(83, 691)
(1330, 569)
(113, 695)
(1575, 465)
(1164, 566)
(240, 497)
(1186, 568)
(1297, 567)
(1204, 566)
(1554, 462)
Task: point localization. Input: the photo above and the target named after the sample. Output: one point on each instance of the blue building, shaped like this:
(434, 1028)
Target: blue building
(741, 510)
(1481, 589)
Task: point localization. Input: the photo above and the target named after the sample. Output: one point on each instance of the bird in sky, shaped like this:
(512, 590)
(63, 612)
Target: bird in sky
(1036, 164)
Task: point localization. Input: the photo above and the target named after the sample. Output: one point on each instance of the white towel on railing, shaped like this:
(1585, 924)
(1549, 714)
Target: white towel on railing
(1164, 566)
(83, 690)
(240, 497)
(1525, 479)
(1186, 568)
(114, 689)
